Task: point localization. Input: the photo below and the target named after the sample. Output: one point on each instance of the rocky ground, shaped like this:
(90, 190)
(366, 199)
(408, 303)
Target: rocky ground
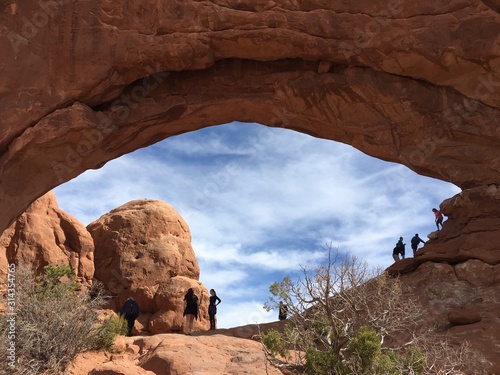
(177, 354)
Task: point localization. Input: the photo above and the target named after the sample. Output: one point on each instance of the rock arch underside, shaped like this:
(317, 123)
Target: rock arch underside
(417, 83)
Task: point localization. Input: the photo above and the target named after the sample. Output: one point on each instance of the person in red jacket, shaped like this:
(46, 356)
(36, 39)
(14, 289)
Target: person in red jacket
(439, 218)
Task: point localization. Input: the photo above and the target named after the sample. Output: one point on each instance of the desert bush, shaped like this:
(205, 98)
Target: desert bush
(54, 321)
(114, 326)
(274, 343)
(321, 362)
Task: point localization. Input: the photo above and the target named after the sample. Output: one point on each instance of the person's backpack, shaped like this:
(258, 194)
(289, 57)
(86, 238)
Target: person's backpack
(131, 310)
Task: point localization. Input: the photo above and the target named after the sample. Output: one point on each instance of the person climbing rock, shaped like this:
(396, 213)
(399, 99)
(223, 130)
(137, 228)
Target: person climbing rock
(415, 241)
(439, 218)
(399, 250)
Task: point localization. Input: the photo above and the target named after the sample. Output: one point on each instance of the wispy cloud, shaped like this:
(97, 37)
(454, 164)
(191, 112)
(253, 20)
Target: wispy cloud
(261, 202)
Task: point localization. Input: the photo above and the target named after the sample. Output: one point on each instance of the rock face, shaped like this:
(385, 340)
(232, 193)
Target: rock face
(461, 301)
(416, 83)
(44, 235)
(456, 273)
(179, 354)
(143, 249)
(470, 232)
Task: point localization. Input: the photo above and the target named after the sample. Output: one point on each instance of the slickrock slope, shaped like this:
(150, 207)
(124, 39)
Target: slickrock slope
(178, 354)
(461, 302)
(43, 235)
(143, 249)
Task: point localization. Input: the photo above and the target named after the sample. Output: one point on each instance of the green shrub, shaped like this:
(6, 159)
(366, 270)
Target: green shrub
(114, 326)
(364, 355)
(274, 343)
(412, 362)
(321, 362)
(365, 348)
(332, 306)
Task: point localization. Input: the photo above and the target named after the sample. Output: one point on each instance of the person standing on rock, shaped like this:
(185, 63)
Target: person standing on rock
(282, 311)
(190, 310)
(439, 218)
(130, 312)
(415, 241)
(212, 308)
(399, 249)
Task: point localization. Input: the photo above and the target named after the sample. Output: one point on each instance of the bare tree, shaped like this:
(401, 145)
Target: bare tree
(335, 306)
(346, 294)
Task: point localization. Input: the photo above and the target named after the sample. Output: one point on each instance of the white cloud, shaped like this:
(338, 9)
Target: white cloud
(260, 202)
(243, 313)
(275, 259)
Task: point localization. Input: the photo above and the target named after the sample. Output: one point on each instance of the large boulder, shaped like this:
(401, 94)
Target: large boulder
(44, 235)
(143, 249)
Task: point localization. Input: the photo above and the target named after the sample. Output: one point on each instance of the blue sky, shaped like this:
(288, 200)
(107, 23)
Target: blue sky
(261, 202)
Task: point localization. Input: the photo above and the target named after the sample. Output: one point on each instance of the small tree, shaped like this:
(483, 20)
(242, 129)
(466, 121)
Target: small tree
(340, 314)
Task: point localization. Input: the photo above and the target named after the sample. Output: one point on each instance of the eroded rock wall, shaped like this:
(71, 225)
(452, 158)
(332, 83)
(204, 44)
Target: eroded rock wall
(85, 82)
(45, 235)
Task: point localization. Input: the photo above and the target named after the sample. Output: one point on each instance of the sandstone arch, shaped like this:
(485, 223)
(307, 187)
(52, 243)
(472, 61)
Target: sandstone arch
(85, 82)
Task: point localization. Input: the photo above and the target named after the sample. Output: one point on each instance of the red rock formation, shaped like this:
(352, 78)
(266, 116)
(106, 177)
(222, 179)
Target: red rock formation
(44, 235)
(180, 355)
(143, 249)
(470, 232)
(461, 301)
(456, 273)
(416, 82)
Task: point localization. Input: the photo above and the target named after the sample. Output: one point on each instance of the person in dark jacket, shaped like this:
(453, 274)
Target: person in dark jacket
(212, 308)
(130, 311)
(399, 250)
(415, 241)
(283, 311)
(190, 310)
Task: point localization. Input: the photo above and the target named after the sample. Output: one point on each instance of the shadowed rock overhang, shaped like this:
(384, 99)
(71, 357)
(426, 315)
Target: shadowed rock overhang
(417, 83)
